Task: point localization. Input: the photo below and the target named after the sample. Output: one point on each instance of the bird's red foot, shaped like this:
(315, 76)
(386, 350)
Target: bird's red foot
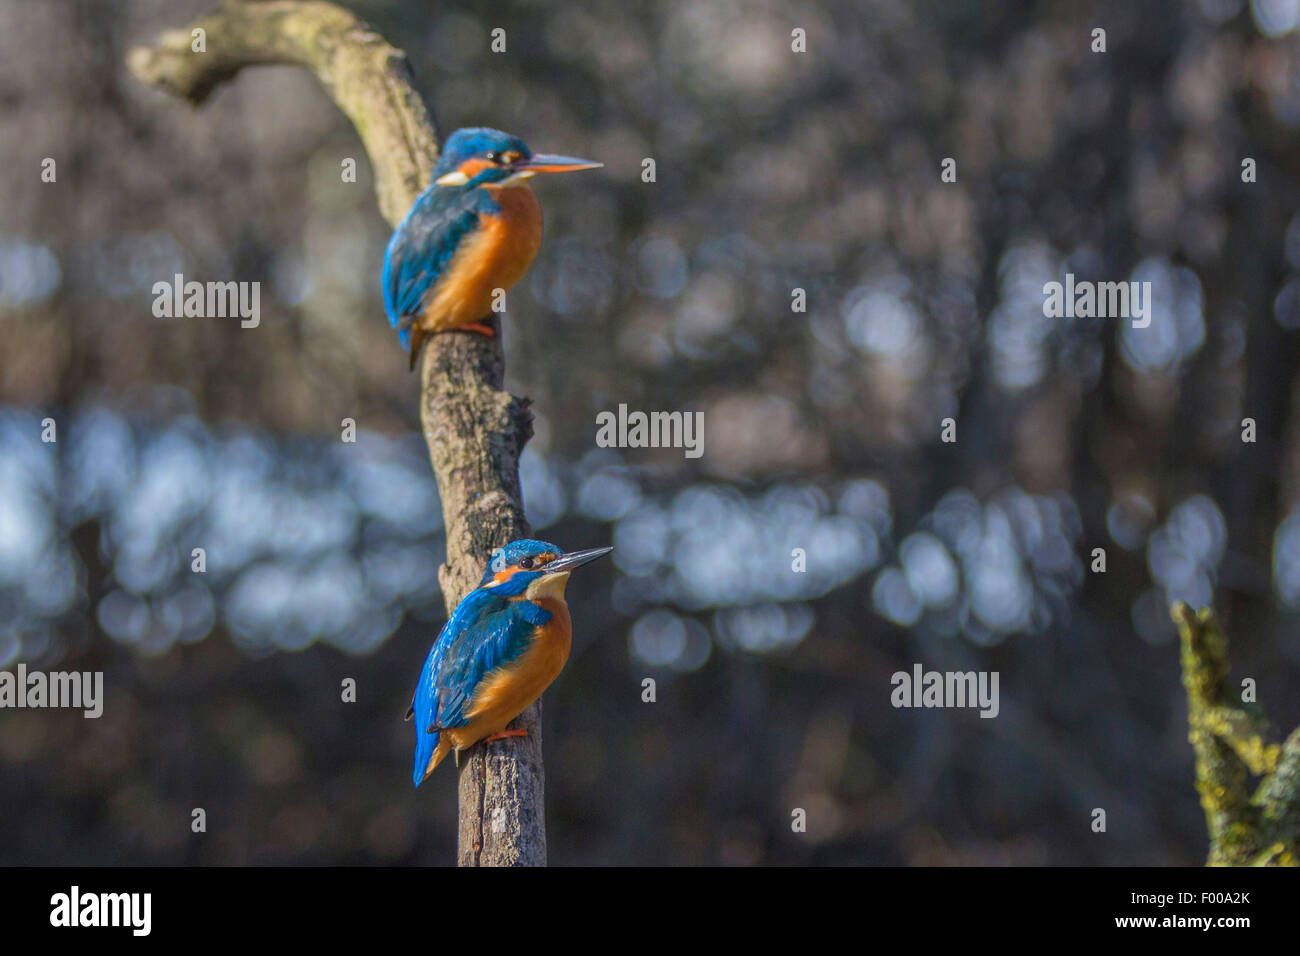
(481, 327)
(517, 732)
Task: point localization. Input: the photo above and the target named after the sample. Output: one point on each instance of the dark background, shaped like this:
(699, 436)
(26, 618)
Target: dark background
(775, 170)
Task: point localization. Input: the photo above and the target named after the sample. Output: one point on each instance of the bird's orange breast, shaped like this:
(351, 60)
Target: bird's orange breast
(495, 257)
(506, 692)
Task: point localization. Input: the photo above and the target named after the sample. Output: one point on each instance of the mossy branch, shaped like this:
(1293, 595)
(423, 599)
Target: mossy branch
(1232, 747)
(474, 429)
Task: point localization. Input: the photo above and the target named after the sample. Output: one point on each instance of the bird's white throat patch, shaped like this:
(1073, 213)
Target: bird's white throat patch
(518, 179)
(548, 586)
(457, 178)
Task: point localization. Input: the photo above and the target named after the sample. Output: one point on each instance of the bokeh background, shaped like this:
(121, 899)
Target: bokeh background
(775, 171)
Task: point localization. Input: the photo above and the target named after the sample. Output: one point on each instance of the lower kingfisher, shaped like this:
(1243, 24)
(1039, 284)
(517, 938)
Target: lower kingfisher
(474, 231)
(501, 647)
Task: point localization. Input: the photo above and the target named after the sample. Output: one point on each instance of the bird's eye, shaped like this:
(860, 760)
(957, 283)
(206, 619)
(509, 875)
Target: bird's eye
(526, 563)
(493, 156)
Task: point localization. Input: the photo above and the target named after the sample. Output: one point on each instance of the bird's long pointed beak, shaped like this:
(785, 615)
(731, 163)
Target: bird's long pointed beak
(550, 163)
(574, 559)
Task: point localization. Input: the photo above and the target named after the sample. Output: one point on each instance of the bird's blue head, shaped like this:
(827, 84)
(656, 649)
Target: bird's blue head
(478, 156)
(523, 563)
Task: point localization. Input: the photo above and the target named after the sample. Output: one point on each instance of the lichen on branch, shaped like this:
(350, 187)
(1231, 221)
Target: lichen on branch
(1249, 822)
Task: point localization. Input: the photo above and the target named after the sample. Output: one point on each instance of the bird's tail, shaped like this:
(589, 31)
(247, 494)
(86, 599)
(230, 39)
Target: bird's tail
(430, 751)
(417, 342)
(426, 724)
(425, 745)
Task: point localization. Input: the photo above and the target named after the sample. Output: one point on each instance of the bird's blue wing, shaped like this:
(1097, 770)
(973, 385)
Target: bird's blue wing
(491, 641)
(485, 632)
(422, 246)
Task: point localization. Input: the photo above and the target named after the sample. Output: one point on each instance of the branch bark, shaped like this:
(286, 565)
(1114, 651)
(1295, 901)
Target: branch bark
(1232, 745)
(474, 429)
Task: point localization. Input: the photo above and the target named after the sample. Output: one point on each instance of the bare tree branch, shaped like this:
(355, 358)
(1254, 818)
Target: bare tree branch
(475, 430)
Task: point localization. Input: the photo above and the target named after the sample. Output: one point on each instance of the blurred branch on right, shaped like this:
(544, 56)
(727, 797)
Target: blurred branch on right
(1232, 747)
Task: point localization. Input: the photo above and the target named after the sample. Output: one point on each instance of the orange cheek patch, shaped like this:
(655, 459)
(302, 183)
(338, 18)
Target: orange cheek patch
(472, 167)
(502, 576)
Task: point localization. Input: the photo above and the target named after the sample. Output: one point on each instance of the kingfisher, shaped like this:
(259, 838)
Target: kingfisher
(501, 647)
(476, 229)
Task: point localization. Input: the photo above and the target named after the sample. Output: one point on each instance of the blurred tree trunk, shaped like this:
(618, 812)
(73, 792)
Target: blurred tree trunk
(474, 429)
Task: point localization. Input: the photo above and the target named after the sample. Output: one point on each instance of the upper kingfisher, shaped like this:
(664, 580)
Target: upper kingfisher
(474, 230)
(501, 647)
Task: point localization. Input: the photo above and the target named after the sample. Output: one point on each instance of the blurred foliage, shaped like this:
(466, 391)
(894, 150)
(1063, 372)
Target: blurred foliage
(774, 171)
